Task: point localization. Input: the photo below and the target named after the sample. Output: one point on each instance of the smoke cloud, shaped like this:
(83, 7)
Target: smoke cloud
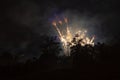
(33, 18)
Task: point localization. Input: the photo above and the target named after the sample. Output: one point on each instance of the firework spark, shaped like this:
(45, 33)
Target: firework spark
(69, 39)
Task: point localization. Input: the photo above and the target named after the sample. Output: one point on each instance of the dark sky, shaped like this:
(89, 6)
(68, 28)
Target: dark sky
(22, 21)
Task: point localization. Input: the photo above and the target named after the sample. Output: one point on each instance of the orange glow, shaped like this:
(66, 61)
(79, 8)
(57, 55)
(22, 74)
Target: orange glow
(67, 37)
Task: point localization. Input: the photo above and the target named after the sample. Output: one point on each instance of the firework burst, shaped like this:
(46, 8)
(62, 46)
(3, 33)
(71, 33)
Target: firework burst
(70, 39)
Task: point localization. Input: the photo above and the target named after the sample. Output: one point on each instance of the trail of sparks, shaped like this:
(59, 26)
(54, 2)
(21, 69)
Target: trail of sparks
(68, 39)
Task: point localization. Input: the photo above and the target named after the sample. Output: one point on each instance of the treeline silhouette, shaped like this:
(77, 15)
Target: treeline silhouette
(87, 61)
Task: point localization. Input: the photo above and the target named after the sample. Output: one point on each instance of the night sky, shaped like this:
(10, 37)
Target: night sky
(23, 21)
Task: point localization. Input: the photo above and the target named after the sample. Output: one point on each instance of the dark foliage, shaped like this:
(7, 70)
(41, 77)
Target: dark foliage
(88, 61)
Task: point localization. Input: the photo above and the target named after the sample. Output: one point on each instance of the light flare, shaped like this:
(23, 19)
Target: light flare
(69, 39)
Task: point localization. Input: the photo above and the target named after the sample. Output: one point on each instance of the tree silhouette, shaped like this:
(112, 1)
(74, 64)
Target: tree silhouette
(50, 50)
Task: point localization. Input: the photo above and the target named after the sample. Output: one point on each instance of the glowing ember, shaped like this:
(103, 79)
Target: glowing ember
(69, 39)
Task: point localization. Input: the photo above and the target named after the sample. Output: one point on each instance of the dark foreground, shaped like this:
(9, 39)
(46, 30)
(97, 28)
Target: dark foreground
(93, 72)
(92, 63)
